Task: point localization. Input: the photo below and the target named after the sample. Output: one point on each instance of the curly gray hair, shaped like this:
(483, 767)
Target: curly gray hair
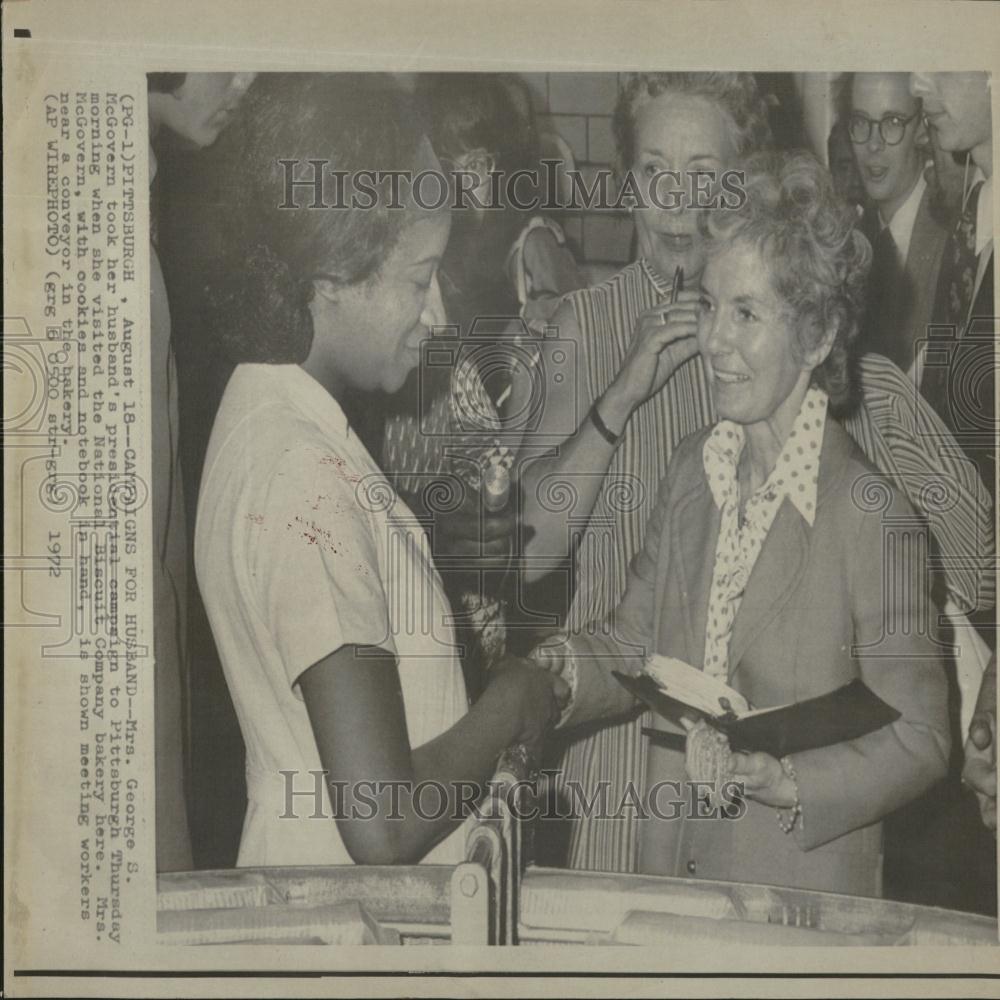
(819, 260)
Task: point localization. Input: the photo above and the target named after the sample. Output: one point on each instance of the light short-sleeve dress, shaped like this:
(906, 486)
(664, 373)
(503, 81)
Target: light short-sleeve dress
(302, 547)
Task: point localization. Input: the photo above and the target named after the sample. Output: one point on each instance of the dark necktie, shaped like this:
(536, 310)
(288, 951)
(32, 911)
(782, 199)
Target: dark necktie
(958, 267)
(952, 302)
(885, 331)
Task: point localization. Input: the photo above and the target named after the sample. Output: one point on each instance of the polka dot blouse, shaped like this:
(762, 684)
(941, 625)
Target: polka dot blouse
(795, 476)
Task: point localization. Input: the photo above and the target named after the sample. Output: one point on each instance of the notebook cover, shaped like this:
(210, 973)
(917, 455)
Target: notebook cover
(844, 714)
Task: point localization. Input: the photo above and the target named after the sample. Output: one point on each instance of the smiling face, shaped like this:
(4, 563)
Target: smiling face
(201, 107)
(747, 338)
(367, 336)
(957, 108)
(888, 173)
(678, 133)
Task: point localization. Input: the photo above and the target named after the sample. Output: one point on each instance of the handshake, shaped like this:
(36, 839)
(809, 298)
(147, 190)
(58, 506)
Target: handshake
(534, 696)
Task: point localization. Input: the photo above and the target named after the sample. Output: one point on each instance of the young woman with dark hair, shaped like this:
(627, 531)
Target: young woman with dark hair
(325, 604)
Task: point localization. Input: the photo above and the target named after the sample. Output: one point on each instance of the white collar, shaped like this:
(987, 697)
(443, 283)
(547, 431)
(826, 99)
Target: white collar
(902, 223)
(662, 286)
(795, 474)
(294, 385)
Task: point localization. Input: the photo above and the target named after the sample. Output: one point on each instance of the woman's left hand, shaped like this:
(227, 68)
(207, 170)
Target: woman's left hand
(764, 779)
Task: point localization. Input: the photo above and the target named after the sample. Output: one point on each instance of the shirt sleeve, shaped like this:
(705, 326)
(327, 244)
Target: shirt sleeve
(515, 256)
(623, 640)
(556, 656)
(318, 581)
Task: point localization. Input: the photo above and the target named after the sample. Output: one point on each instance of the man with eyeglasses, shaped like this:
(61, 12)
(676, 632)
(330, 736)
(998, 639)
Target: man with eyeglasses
(889, 140)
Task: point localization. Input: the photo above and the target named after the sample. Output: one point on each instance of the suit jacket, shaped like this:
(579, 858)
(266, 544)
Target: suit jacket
(823, 606)
(923, 262)
(959, 376)
(982, 340)
(915, 287)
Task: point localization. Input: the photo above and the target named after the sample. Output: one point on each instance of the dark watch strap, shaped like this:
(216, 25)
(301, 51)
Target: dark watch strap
(602, 428)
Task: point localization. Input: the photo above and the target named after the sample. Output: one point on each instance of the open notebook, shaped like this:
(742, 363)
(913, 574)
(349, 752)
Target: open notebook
(673, 688)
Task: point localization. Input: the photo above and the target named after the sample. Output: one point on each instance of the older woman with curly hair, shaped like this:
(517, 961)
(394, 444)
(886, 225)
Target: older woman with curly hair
(765, 567)
(645, 387)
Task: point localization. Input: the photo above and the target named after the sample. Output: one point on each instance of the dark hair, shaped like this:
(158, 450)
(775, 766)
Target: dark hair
(736, 94)
(467, 111)
(164, 83)
(818, 258)
(263, 283)
(843, 98)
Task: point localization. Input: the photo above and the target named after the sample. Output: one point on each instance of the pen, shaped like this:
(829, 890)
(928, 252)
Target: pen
(678, 285)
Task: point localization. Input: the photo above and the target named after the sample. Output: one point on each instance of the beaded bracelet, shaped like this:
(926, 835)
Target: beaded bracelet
(795, 813)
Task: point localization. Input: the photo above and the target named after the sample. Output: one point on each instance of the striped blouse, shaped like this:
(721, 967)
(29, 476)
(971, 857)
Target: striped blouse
(606, 316)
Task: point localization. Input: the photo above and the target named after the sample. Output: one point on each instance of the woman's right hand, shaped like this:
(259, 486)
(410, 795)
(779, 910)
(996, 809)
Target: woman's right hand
(536, 697)
(664, 339)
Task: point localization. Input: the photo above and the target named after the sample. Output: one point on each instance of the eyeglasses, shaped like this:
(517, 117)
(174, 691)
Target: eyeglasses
(892, 128)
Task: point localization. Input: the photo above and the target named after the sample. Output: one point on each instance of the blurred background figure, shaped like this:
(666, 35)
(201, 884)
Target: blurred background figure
(500, 260)
(889, 143)
(945, 174)
(957, 108)
(502, 276)
(193, 108)
(844, 168)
